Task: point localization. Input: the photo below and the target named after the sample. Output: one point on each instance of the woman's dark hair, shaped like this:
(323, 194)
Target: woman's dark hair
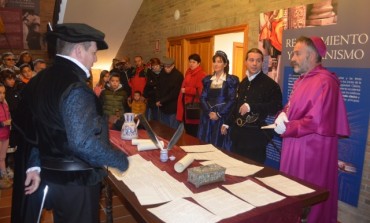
(223, 56)
(101, 78)
(115, 74)
(21, 59)
(7, 74)
(25, 65)
(23, 53)
(195, 57)
(155, 61)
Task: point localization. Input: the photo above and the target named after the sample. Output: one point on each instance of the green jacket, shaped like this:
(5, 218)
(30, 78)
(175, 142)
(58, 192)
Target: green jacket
(114, 101)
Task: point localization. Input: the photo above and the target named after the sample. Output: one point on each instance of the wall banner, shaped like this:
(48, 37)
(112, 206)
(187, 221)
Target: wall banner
(348, 55)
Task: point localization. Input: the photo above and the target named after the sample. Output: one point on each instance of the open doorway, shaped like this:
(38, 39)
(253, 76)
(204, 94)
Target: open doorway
(232, 45)
(232, 40)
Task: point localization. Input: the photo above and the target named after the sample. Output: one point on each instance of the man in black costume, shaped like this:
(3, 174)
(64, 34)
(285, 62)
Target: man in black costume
(258, 97)
(67, 135)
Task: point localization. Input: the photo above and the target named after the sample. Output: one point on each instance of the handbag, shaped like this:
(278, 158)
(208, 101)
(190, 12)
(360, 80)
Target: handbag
(192, 110)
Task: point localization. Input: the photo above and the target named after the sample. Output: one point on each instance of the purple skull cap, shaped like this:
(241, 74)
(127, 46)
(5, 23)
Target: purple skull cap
(319, 45)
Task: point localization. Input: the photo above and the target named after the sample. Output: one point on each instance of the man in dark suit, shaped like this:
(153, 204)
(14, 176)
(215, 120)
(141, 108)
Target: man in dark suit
(169, 87)
(66, 132)
(258, 97)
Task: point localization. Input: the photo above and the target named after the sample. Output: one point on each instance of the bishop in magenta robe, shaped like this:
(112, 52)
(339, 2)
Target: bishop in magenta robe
(317, 118)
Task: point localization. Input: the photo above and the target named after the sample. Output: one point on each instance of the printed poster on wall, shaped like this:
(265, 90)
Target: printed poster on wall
(11, 35)
(29, 36)
(348, 55)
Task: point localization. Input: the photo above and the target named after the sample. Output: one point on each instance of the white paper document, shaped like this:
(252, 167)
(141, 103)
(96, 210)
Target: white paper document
(243, 171)
(199, 148)
(136, 142)
(254, 193)
(234, 167)
(182, 164)
(161, 191)
(133, 161)
(222, 203)
(183, 211)
(271, 126)
(209, 155)
(150, 184)
(285, 185)
(143, 146)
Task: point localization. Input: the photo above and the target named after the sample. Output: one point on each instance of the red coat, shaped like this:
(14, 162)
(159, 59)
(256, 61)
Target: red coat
(138, 81)
(192, 83)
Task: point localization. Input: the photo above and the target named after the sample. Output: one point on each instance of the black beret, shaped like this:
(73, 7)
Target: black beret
(77, 33)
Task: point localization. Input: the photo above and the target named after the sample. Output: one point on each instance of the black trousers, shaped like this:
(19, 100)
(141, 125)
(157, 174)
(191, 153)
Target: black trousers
(191, 129)
(73, 203)
(250, 142)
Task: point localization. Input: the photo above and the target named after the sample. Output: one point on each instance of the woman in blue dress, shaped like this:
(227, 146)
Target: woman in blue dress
(217, 100)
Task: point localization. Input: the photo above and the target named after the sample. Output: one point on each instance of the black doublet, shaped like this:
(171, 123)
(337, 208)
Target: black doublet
(264, 97)
(262, 94)
(49, 88)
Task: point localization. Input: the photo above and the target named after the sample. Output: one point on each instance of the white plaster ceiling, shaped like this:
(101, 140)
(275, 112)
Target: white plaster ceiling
(113, 17)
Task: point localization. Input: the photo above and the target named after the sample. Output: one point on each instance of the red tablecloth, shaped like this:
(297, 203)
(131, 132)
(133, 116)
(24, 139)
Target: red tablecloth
(285, 211)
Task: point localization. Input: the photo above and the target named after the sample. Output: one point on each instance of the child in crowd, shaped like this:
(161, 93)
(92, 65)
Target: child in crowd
(114, 97)
(138, 105)
(26, 73)
(13, 89)
(103, 80)
(5, 122)
(38, 65)
(25, 58)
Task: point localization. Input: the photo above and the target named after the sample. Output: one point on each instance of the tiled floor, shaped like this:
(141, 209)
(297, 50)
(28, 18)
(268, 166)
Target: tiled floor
(120, 213)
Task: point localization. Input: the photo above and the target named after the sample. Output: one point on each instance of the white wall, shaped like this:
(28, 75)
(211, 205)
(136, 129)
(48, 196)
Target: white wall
(113, 17)
(225, 42)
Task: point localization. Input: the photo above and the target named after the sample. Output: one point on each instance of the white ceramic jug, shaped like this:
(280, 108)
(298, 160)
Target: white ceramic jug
(129, 127)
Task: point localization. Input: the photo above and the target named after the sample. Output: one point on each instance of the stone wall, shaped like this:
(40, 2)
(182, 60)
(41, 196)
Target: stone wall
(155, 21)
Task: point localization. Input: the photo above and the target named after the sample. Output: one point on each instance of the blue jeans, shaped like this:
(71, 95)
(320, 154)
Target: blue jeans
(152, 113)
(169, 120)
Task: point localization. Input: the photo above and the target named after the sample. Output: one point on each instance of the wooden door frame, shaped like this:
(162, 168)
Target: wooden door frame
(235, 45)
(211, 33)
(206, 65)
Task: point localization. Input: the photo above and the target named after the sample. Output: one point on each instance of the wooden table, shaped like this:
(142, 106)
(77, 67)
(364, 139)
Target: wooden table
(282, 211)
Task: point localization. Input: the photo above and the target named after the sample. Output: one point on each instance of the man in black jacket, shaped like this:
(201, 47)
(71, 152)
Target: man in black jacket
(66, 132)
(258, 97)
(169, 87)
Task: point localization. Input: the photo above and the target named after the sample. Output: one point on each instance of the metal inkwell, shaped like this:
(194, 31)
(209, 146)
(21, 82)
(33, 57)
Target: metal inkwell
(163, 154)
(203, 175)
